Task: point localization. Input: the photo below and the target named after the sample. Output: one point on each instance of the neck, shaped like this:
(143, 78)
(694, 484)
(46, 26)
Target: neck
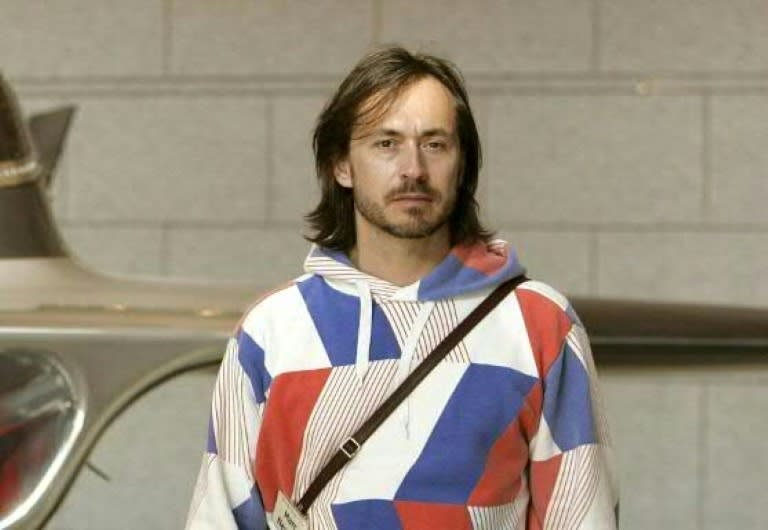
(397, 260)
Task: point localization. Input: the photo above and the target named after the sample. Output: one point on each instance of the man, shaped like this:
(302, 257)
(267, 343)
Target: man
(506, 432)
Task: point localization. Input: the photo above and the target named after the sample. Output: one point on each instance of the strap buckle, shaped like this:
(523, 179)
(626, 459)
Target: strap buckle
(350, 451)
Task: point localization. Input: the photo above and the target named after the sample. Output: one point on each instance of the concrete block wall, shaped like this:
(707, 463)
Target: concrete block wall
(625, 156)
(625, 141)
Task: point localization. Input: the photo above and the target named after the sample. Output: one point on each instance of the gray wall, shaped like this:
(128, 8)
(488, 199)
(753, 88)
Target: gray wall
(625, 140)
(626, 151)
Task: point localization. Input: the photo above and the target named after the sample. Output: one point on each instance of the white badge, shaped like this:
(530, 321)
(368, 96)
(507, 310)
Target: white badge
(287, 516)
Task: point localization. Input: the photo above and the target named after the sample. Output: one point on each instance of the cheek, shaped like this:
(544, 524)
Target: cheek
(375, 170)
(446, 172)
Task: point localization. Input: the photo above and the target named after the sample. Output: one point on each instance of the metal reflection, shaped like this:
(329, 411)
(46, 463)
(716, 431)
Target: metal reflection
(18, 163)
(41, 414)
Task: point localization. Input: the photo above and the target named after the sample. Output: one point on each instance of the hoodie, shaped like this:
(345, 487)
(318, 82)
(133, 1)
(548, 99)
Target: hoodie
(506, 433)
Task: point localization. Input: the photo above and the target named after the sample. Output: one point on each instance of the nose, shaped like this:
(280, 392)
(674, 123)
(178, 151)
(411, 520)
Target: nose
(413, 163)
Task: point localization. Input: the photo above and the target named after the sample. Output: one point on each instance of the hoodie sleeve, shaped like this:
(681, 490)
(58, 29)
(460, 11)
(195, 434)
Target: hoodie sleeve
(571, 476)
(226, 495)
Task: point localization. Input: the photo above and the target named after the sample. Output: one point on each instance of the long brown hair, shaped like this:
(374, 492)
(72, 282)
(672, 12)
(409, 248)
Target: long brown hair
(385, 73)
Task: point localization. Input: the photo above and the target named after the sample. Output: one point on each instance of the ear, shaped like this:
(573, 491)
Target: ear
(343, 173)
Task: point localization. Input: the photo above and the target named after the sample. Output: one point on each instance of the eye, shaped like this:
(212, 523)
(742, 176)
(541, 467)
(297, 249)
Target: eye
(386, 143)
(435, 145)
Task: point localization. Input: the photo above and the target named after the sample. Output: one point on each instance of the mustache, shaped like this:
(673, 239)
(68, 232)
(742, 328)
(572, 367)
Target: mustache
(413, 186)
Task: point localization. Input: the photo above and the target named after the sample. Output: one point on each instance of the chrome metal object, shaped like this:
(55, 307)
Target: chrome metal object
(78, 390)
(18, 163)
(42, 410)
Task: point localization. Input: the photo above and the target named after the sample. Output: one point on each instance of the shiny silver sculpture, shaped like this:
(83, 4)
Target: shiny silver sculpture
(75, 346)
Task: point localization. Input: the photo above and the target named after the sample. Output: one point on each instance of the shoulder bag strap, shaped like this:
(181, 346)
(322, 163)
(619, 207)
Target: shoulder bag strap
(352, 445)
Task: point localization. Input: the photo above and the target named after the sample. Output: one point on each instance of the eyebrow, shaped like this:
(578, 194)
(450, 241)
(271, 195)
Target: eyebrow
(436, 131)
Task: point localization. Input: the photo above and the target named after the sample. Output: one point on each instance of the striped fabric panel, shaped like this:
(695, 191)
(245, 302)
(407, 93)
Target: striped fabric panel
(506, 517)
(320, 513)
(575, 488)
(443, 320)
(341, 271)
(401, 316)
(579, 342)
(234, 407)
(342, 407)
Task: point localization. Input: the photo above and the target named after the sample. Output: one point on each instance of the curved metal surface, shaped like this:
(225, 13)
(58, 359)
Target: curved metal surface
(63, 287)
(157, 440)
(17, 156)
(42, 409)
(645, 322)
(26, 225)
(633, 333)
(49, 133)
(115, 366)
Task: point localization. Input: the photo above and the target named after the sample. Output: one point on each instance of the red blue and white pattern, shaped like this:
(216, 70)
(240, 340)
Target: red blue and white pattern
(506, 433)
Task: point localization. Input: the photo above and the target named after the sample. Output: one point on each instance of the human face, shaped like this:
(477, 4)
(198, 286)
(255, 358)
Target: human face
(403, 170)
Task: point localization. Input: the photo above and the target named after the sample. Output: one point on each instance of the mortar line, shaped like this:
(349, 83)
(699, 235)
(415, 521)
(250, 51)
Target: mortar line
(554, 227)
(638, 227)
(184, 89)
(167, 42)
(593, 262)
(594, 60)
(182, 92)
(487, 103)
(183, 224)
(375, 23)
(269, 150)
(706, 156)
(164, 249)
(702, 470)
(541, 76)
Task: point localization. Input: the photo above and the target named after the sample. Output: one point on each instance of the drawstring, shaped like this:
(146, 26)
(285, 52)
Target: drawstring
(363, 330)
(409, 348)
(406, 357)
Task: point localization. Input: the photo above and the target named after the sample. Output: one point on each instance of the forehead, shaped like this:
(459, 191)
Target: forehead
(423, 104)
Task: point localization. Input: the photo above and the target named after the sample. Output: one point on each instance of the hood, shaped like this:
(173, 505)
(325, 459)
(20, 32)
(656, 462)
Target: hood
(466, 269)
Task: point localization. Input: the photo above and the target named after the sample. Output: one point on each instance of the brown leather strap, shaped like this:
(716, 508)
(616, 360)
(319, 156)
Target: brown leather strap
(352, 445)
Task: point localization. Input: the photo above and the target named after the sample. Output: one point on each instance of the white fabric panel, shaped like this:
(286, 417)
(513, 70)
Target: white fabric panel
(547, 291)
(283, 319)
(409, 293)
(500, 339)
(346, 286)
(575, 338)
(226, 486)
(543, 446)
(383, 462)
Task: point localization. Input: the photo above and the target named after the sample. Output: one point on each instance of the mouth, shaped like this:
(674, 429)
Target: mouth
(420, 198)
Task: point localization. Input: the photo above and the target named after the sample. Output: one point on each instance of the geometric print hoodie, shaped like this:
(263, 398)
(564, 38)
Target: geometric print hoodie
(507, 432)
